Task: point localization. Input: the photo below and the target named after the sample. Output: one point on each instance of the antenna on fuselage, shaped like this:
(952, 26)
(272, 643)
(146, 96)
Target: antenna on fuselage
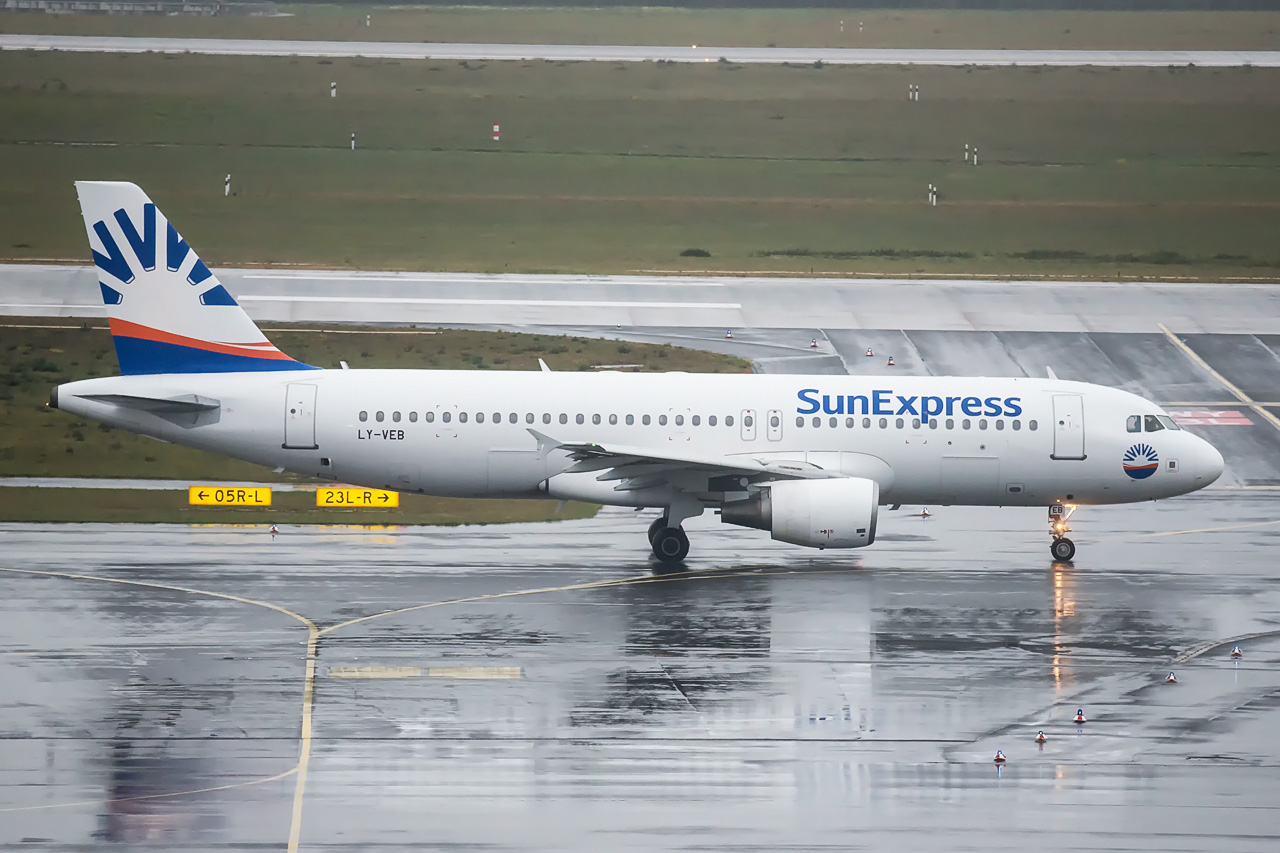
(1049, 370)
(543, 365)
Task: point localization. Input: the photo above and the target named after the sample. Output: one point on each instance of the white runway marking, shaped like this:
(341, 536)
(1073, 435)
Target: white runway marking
(645, 53)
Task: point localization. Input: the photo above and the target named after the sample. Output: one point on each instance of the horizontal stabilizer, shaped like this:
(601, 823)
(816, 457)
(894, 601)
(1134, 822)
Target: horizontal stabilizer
(186, 410)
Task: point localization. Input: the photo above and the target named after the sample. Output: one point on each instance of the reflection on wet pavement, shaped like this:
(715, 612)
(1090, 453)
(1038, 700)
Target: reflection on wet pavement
(545, 687)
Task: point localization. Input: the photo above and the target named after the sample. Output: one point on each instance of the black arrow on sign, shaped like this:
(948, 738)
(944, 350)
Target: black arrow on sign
(200, 494)
(383, 497)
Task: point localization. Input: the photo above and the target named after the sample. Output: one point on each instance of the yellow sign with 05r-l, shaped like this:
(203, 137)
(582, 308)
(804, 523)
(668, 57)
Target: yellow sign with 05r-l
(357, 498)
(229, 496)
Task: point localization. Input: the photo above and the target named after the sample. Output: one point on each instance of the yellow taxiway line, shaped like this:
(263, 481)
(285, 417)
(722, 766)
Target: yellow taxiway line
(1226, 383)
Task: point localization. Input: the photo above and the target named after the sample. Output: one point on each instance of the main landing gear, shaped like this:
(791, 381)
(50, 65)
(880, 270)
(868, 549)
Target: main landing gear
(1062, 548)
(670, 545)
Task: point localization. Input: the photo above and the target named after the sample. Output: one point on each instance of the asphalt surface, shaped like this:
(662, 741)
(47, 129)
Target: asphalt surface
(553, 690)
(719, 301)
(642, 53)
(548, 687)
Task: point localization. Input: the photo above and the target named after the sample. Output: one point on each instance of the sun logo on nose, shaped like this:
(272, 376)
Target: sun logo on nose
(1140, 461)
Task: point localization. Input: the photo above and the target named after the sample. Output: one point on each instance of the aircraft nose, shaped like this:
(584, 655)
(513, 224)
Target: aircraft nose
(1209, 464)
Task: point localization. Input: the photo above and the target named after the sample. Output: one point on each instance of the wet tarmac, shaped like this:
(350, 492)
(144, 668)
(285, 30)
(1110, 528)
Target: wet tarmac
(548, 687)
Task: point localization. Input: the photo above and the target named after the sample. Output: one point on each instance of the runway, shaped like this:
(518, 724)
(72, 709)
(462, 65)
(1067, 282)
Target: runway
(316, 296)
(544, 687)
(644, 53)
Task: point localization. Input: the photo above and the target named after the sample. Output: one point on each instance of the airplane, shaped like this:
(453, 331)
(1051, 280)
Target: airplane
(810, 459)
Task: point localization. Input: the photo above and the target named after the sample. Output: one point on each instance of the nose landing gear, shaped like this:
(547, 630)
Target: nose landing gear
(1062, 548)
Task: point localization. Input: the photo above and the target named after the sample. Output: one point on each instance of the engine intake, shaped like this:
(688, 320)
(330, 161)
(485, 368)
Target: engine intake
(836, 513)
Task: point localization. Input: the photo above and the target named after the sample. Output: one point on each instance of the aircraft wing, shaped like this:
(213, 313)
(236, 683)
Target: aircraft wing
(644, 467)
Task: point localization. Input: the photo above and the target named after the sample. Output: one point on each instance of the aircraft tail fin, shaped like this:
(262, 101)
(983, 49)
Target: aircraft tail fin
(168, 312)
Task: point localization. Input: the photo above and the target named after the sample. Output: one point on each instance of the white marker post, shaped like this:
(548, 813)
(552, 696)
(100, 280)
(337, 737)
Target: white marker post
(975, 155)
(333, 90)
(226, 188)
(353, 142)
(367, 19)
(859, 27)
(842, 26)
(966, 152)
(496, 132)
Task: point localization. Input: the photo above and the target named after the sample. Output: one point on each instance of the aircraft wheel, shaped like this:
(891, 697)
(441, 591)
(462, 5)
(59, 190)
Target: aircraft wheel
(670, 545)
(658, 523)
(1063, 549)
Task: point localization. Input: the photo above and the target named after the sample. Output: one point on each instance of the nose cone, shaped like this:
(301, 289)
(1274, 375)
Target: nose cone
(1208, 464)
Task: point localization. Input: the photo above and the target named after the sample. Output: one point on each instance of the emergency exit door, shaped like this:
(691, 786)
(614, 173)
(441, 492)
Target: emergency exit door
(300, 417)
(1068, 426)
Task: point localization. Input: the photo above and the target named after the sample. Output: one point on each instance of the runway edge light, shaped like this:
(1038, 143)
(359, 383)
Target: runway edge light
(1080, 716)
(1000, 759)
(1236, 652)
(1171, 678)
(1040, 738)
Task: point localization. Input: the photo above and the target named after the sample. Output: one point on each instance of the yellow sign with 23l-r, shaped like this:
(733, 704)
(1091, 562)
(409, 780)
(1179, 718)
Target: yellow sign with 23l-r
(357, 498)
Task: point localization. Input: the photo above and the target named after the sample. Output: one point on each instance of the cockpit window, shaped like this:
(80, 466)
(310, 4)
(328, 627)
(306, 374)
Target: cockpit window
(1168, 422)
(1133, 423)
(1153, 423)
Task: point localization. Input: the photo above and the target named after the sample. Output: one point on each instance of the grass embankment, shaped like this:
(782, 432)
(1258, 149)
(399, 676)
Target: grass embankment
(142, 506)
(616, 168)
(730, 27)
(36, 441)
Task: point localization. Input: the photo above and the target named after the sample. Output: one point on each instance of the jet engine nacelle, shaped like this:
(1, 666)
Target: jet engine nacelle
(836, 513)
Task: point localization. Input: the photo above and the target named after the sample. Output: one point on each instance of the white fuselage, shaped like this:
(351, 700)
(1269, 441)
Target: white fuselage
(932, 440)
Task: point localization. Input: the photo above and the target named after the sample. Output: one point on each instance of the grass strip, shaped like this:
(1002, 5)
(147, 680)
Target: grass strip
(29, 504)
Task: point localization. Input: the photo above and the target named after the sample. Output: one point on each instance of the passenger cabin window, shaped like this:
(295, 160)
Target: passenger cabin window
(799, 420)
(462, 417)
(595, 419)
(564, 419)
(613, 419)
(646, 420)
(817, 421)
(579, 419)
(662, 420)
(379, 417)
(1032, 425)
(728, 420)
(497, 417)
(679, 420)
(631, 419)
(479, 417)
(1133, 423)
(711, 420)
(1153, 423)
(747, 421)
(413, 417)
(429, 417)
(695, 420)
(446, 416)
(364, 416)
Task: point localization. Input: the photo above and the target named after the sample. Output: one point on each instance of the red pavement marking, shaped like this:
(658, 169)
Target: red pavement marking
(1209, 417)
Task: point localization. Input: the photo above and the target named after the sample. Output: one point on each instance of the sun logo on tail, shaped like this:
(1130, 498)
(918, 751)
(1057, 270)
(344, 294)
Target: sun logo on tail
(1140, 461)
